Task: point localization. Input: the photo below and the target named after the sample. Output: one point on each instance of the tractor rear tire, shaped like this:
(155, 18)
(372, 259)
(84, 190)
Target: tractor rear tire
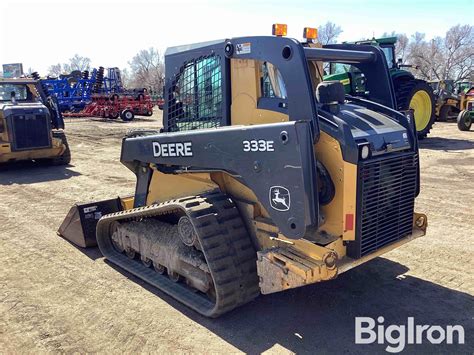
(464, 120)
(417, 95)
(127, 115)
(65, 158)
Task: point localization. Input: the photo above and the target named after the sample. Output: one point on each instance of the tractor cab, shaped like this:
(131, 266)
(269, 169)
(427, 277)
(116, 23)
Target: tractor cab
(387, 44)
(464, 86)
(354, 80)
(411, 93)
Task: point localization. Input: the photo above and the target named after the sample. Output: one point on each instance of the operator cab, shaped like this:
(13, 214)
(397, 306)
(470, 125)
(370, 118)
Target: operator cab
(258, 80)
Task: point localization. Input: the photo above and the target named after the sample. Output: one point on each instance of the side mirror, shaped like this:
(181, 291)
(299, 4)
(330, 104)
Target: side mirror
(399, 61)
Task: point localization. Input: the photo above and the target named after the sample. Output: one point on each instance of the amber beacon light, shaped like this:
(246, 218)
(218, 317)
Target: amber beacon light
(310, 33)
(279, 29)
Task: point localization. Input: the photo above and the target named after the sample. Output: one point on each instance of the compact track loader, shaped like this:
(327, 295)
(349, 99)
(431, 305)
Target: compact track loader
(263, 177)
(31, 125)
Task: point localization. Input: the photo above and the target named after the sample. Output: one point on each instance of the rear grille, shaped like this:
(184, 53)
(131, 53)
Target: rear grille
(386, 197)
(30, 131)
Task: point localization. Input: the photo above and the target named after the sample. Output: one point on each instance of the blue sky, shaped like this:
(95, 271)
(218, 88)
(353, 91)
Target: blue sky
(111, 32)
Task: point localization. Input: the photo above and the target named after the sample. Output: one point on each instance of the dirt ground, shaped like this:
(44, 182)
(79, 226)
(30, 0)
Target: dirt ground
(57, 297)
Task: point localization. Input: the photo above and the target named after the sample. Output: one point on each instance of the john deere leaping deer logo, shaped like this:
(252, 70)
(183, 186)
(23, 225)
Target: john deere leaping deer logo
(280, 198)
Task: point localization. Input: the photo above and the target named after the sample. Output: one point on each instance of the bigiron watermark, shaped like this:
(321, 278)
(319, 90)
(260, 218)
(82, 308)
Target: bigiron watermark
(367, 331)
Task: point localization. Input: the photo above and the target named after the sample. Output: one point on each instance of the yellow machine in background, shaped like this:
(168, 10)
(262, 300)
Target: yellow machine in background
(263, 178)
(31, 126)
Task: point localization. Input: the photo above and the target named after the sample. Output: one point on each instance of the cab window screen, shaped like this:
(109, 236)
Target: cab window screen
(195, 100)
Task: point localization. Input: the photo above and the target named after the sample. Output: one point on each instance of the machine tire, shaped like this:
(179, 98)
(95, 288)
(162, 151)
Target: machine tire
(114, 115)
(127, 115)
(65, 158)
(444, 113)
(413, 94)
(464, 120)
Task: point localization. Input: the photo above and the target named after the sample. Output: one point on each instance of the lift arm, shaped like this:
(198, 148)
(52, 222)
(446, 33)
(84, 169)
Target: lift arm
(276, 161)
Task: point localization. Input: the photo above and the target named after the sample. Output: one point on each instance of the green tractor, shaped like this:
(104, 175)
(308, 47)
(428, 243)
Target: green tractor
(463, 87)
(411, 93)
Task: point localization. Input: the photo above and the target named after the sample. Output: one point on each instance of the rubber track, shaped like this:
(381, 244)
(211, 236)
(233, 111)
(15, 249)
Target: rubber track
(226, 246)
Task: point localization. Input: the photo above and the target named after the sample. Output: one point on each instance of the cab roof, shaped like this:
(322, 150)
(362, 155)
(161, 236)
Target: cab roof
(188, 47)
(18, 81)
(383, 40)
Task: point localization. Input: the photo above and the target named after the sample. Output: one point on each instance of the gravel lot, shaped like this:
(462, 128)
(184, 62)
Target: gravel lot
(57, 297)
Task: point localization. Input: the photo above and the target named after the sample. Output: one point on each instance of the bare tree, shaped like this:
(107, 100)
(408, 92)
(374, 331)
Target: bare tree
(401, 46)
(328, 33)
(126, 78)
(451, 57)
(147, 70)
(77, 63)
(55, 70)
(420, 52)
(459, 52)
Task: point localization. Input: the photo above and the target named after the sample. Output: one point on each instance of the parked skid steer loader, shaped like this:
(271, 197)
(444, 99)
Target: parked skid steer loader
(263, 178)
(31, 125)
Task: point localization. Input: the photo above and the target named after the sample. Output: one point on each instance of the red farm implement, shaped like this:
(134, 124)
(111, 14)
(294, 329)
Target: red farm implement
(117, 105)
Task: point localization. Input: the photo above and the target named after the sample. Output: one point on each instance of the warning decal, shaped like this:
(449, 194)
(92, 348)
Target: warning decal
(243, 48)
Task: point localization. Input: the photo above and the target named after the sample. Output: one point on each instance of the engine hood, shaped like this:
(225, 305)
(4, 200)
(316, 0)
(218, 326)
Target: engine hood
(383, 133)
(28, 107)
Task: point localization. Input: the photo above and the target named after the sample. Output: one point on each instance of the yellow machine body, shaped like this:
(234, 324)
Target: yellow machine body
(282, 263)
(7, 153)
(209, 218)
